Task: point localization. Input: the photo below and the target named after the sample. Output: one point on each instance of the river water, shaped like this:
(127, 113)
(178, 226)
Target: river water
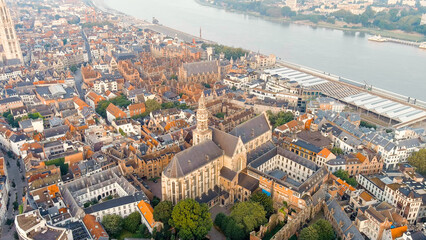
(394, 67)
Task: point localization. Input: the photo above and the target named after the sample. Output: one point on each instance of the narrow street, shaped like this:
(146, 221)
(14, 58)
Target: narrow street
(16, 193)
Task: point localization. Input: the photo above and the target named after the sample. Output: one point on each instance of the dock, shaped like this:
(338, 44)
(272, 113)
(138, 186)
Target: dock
(409, 43)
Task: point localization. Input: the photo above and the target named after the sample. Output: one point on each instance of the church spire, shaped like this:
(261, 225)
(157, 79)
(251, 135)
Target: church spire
(202, 132)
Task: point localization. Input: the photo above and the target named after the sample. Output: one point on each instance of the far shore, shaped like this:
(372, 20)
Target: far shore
(397, 34)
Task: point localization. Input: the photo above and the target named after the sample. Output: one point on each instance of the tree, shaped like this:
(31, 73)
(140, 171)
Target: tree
(218, 220)
(167, 105)
(337, 151)
(220, 115)
(309, 233)
(280, 118)
(155, 201)
(286, 12)
(152, 105)
(324, 229)
(265, 201)
(418, 160)
(233, 230)
(191, 219)
(249, 214)
(113, 224)
(367, 125)
(163, 212)
(132, 222)
(73, 68)
(144, 232)
(344, 175)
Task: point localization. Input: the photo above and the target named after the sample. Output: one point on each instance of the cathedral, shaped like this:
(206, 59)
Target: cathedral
(211, 171)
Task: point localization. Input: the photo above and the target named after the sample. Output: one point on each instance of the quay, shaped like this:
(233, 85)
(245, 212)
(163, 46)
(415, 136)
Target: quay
(410, 43)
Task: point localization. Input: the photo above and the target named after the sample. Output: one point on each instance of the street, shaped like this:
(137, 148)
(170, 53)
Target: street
(16, 193)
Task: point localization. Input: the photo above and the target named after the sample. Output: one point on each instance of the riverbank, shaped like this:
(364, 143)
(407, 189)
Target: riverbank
(397, 34)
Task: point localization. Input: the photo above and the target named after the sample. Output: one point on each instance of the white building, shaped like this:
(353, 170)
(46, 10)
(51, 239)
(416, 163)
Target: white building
(101, 86)
(32, 225)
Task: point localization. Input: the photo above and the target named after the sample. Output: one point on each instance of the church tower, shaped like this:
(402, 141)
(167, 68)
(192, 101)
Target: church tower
(202, 132)
(10, 48)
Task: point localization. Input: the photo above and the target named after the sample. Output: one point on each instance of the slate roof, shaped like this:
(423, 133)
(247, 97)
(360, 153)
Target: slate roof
(9, 100)
(195, 68)
(227, 173)
(285, 153)
(343, 220)
(247, 182)
(18, 137)
(307, 146)
(192, 159)
(137, 197)
(55, 131)
(315, 138)
(251, 129)
(225, 141)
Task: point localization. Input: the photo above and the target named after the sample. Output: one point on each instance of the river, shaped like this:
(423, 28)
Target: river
(394, 67)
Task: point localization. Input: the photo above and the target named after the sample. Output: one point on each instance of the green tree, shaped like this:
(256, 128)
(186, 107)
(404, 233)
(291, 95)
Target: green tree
(233, 230)
(132, 222)
(324, 230)
(250, 215)
(344, 175)
(163, 211)
(367, 125)
(337, 151)
(309, 233)
(155, 201)
(286, 12)
(36, 115)
(113, 224)
(191, 219)
(152, 105)
(144, 232)
(218, 220)
(167, 105)
(122, 132)
(73, 68)
(418, 160)
(280, 118)
(265, 201)
(220, 115)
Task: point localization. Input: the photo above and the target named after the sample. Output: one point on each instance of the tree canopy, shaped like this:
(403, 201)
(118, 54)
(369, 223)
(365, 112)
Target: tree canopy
(280, 118)
(344, 175)
(309, 233)
(324, 229)
(163, 212)
(132, 222)
(113, 224)
(320, 230)
(250, 215)
(120, 101)
(152, 105)
(337, 151)
(265, 201)
(418, 160)
(229, 52)
(229, 227)
(191, 219)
